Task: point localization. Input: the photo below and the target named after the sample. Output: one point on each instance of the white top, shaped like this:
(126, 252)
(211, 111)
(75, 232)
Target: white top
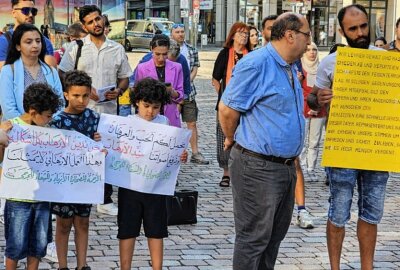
(185, 52)
(104, 66)
(159, 119)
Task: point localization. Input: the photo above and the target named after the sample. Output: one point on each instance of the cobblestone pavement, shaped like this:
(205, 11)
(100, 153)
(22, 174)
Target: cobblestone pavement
(209, 243)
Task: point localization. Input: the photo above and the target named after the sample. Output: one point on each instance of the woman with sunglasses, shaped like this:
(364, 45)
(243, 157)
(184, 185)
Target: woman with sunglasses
(166, 71)
(253, 38)
(235, 48)
(24, 66)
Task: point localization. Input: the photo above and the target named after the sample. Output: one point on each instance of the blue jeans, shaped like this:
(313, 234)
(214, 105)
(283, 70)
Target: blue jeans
(371, 186)
(25, 229)
(125, 110)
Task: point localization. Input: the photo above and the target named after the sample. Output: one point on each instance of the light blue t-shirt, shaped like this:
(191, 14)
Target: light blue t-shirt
(271, 110)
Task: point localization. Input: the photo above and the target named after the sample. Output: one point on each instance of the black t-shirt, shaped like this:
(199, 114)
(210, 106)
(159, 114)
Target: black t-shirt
(161, 73)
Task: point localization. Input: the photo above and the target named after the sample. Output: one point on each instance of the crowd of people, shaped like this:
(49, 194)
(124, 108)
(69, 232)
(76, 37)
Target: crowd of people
(272, 104)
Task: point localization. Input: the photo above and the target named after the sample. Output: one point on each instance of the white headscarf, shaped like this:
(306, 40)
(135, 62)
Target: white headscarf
(310, 66)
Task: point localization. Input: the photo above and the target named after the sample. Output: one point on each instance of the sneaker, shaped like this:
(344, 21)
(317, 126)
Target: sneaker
(51, 252)
(304, 220)
(2, 219)
(199, 159)
(108, 209)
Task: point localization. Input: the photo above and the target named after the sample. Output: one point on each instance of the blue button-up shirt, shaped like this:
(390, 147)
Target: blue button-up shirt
(271, 110)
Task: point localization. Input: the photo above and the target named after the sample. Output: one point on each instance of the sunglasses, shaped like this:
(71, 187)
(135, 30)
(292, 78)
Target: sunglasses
(178, 25)
(27, 10)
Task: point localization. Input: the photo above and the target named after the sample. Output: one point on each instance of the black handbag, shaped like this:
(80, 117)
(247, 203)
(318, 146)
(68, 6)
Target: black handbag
(182, 207)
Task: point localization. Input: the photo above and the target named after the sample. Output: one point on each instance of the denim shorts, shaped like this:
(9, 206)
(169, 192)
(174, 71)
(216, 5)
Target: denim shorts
(25, 229)
(371, 186)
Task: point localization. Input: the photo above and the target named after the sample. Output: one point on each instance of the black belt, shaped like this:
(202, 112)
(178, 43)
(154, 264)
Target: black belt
(286, 161)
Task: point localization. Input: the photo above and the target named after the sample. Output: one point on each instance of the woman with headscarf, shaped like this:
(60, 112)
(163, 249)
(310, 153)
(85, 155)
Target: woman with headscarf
(315, 119)
(235, 48)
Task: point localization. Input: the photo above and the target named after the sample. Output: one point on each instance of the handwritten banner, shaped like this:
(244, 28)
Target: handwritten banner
(142, 156)
(52, 165)
(363, 131)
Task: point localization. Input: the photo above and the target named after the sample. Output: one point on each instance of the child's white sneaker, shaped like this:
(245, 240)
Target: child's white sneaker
(51, 253)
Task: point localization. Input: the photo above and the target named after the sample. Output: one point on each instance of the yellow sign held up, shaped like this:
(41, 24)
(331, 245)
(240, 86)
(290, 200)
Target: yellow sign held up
(363, 130)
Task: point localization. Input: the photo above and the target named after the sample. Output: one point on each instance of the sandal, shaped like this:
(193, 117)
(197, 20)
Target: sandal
(225, 181)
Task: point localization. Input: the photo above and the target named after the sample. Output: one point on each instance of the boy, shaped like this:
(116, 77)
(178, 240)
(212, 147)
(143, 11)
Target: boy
(26, 222)
(76, 116)
(148, 97)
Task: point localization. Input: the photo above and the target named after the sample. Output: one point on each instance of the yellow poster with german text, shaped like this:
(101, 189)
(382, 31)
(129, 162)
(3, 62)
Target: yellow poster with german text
(363, 130)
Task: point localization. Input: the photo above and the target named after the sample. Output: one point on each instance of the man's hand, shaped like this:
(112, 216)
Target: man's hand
(111, 95)
(93, 94)
(228, 143)
(324, 96)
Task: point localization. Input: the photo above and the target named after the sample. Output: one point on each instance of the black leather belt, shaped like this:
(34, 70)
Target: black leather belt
(286, 161)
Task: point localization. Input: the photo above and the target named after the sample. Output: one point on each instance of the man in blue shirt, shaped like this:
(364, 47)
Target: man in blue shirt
(261, 114)
(24, 12)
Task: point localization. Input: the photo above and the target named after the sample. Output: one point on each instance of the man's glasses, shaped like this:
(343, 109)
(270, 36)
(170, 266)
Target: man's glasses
(27, 10)
(308, 35)
(178, 25)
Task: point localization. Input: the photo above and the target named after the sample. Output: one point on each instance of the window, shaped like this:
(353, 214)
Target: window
(376, 10)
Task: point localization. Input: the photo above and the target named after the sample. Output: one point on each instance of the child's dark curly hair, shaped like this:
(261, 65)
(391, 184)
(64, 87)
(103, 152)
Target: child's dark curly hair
(151, 91)
(76, 78)
(40, 97)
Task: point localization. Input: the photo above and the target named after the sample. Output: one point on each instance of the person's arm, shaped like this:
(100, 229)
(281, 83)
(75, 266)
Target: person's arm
(49, 57)
(193, 73)
(228, 119)
(177, 91)
(122, 85)
(319, 98)
(8, 101)
(216, 84)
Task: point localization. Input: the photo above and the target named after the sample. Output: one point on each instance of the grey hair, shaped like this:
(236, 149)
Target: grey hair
(287, 21)
(174, 48)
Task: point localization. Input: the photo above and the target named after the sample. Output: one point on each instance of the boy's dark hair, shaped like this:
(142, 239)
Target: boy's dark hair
(151, 91)
(382, 39)
(40, 97)
(86, 10)
(160, 40)
(13, 54)
(76, 78)
(75, 30)
(268, 18)
(398, 22)
(343, 10)
(16, 2)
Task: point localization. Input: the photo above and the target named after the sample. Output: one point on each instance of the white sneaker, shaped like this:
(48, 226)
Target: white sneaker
(51, 253)
(2, 219)
(304, 220)
(108, 209)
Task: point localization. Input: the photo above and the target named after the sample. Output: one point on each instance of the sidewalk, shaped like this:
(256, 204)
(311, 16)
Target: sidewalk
(208, 245)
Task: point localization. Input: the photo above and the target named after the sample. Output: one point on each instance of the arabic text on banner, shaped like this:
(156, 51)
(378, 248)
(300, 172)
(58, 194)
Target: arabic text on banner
(55, 165)
(142, 156)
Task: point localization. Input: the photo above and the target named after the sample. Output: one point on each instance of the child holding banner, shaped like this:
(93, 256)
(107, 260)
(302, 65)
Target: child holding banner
(149, 96)
(76, 116)
(26, 222)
